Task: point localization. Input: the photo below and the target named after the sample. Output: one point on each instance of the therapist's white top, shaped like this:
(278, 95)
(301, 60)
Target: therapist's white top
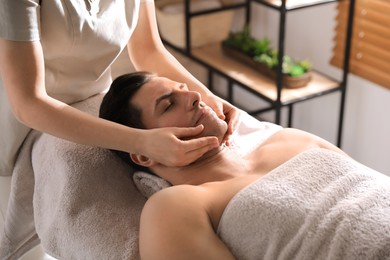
(80, 40)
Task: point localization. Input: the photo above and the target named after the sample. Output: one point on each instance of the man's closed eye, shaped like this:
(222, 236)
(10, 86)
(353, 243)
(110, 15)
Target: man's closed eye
(168, 106)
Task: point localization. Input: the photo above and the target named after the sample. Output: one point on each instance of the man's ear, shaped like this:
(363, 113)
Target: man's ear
(142, 160)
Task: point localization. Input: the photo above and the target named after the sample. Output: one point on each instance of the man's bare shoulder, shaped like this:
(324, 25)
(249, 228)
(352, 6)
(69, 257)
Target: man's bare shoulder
(169, 206)
(174, 197)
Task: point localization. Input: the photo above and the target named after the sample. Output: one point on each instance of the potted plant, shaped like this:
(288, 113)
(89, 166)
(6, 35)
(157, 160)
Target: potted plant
(258, 54)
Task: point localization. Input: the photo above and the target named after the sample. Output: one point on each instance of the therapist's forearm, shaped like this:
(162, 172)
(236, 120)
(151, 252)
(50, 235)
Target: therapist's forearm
(148, 53)
(56, 118)
(165, 64)
(22, 72)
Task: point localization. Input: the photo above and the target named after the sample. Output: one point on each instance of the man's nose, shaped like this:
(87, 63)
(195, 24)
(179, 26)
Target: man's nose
(193, 99)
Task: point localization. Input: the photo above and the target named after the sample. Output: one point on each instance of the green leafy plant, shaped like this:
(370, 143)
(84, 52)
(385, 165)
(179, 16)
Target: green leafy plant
(260, 50)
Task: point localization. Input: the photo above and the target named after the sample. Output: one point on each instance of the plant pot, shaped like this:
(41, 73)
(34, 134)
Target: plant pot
(288, 81)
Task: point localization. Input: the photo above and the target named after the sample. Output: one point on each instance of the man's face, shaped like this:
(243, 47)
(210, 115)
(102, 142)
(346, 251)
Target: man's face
(166, 103)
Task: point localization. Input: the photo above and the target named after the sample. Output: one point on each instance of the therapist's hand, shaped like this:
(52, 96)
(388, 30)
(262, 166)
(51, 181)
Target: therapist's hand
(225, 111)
(169, 146)
(231, 114)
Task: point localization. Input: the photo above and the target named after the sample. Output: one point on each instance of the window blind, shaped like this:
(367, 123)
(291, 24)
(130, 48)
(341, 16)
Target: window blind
(370, 51)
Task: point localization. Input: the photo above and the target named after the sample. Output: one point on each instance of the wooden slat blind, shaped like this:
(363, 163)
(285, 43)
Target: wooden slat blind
(370, 52)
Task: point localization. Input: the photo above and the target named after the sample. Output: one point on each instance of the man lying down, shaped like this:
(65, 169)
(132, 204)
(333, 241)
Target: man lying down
(296, 196)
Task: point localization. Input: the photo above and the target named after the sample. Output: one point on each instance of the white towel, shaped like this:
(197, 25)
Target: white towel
(318, 205)
(80, 200)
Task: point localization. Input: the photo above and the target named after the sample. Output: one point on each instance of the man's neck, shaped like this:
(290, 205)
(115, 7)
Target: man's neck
(217, 165)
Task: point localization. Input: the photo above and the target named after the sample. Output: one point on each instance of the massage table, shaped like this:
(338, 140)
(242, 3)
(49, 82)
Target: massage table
(82, 202)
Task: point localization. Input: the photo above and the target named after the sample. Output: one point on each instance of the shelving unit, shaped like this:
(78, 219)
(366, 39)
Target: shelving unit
(213, 56)
(273, 92)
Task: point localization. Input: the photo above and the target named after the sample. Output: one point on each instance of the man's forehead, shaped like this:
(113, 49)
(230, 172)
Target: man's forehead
(145, 98)
(155, 88)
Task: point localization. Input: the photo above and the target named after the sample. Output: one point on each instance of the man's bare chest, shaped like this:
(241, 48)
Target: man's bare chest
(280, 148)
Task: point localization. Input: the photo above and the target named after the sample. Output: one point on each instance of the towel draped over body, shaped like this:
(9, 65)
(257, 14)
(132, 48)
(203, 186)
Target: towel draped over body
(318, 205)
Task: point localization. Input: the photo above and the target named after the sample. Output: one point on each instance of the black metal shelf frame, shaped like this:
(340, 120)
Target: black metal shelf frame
(294, 7)
(275, 105)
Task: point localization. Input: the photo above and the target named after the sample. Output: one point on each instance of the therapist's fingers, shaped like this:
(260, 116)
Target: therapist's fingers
(175, 146)
(186, 133)
(216, 104)
(192, 147)
(218, 108)
(195, 148)
(188, 151)
(232, 119)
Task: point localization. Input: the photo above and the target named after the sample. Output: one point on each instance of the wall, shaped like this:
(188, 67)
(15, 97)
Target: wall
(366, 135)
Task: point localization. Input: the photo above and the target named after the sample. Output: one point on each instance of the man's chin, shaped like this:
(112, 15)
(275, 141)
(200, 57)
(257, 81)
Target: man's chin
(217, 128)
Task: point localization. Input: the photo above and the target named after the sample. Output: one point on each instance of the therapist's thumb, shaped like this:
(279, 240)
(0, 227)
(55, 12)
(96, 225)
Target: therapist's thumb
(189, 131)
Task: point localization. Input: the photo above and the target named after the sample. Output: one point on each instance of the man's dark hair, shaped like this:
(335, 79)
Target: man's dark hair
(116, 106)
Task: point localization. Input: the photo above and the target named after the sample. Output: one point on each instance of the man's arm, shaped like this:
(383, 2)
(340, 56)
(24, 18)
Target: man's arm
(175, 225)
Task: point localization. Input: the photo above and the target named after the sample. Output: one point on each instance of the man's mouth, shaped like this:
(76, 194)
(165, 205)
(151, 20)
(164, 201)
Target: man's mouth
(203, 113)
